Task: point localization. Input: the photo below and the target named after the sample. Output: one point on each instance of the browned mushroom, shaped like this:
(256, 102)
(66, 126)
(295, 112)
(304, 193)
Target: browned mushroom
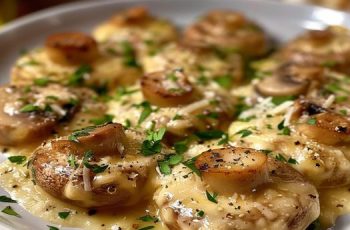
(133, 16)
(328, 48)
(320, 124)
(167, 88)
(30, 113)
(92, 167)
(243, 169)
(290, 80)
(71, 48)
(227, 31)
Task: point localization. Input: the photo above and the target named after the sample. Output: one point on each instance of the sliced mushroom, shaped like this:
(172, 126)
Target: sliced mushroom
(95, 168)
(230, 170)
(290, 80)
(227, 31)
(71, 48)
(133, 16)
(320, 124)
(30, 113)
(167, 88)
(328, 128)
(328, 48)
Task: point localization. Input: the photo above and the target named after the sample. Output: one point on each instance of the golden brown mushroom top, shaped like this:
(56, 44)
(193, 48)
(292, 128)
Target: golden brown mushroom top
(227, 31)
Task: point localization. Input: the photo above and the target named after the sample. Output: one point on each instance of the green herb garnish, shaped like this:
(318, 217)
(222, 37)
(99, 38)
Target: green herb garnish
(7, 199)
(63, 215)
(244, 132)
(77, 78)
(17, 159)
(211, 197)
(152, 144)
(29, 108)
(9, 211)
(102, 120)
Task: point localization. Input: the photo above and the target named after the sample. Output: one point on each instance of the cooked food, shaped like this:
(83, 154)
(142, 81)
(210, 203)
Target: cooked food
(141, 127)
(31, 113)
(136, 26)
(205, 68)
(71, 48)
(241, 188)
(75, 59)
(227, 31)
(329, 47)
(99, 167)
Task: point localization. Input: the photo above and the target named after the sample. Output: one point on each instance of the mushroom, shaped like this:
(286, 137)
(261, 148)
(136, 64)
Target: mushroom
(30, 113)
(326, 48)
(233, 169)
(290, 80)
(133, 16)
(320, 124)
(227, 31)
(71, 48)
(93, 167)
(167, 88)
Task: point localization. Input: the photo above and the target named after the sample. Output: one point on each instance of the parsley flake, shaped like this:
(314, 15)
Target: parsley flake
(211, 197)
(63, 215)
(9, 211)
(17, 159)
(7, 199)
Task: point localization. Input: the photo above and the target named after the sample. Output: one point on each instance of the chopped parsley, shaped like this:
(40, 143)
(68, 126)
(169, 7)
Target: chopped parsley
(211, 197)
(102, 120)
(94, 167)
(210, 134)
(44, 81)
(181, 146)
(63, 215)
(177, 117)
(200, 213)
(146, 111)
(9, 211)
(281, 158)
(72, 161)
(164, 167)
(284, 129)
(224, 140)
(146, 228)
(17, 159)
(80, 133)
(152, 144)
(129, 58)
(224, 81)
(281, 99)
(169, 161)
(312, 121)
(127, 124)
(7, 199)
(212, 115)
(52, 227)
(29, 108)
(123, 91)
(77, 78)
(149, 218)
(244, 132)
(191, 165)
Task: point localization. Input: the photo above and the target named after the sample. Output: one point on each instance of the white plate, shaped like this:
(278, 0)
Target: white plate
(281, 21)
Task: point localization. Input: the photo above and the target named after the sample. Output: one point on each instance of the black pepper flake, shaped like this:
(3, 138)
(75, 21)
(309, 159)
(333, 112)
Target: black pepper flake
(312, 196)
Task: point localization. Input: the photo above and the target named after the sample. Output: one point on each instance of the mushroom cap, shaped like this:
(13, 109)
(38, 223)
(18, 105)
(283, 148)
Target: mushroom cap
(290, 80)
(71, 48)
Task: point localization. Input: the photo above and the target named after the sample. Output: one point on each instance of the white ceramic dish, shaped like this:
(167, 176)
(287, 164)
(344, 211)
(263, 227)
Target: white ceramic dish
(282, 21)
